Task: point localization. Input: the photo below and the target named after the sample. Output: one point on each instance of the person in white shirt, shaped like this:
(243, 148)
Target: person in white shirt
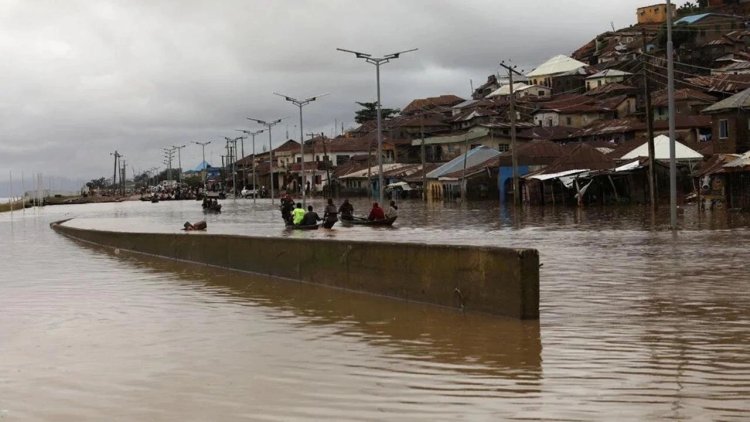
(392, 210)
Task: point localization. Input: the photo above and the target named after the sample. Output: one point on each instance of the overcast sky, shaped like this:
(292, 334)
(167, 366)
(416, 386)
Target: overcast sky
(81, 79)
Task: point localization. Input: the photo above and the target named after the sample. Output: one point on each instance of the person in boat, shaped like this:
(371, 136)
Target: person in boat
(330, 215)
(392, 210)
(376, 213)
(287, 206)
(298, 214)
(206, 202)
(201, 225)
(311, 217)
(346, 210)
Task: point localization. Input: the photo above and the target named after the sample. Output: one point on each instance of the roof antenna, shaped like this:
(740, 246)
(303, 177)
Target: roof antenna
(471, 84)
(612, 23)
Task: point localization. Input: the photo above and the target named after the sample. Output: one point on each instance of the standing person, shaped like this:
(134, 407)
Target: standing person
(346, 210)
(311, 217)
(376, 213)
(392, 210)
(330, 215)
(298, 214)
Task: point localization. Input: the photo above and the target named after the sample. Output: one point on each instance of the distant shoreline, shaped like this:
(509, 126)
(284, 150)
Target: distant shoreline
(64, 200)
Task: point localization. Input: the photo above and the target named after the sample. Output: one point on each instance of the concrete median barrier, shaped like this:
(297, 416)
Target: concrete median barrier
(500, 281)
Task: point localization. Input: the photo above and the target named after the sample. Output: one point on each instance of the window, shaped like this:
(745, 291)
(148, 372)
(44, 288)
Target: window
(299, 159)
(503, 147)
(723, 129)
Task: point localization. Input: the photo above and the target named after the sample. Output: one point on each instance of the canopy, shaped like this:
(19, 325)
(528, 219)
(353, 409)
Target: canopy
(661, 150)
(402, 185)
(202, 166)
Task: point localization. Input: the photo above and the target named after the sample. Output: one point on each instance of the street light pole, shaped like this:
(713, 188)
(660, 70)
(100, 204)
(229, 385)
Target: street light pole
(300, 104)
(269, 125)
(205, 171)
(179, 161)
(252, 134)
(377, 61)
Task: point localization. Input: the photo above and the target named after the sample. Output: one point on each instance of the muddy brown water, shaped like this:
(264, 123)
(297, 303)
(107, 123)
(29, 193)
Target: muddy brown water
(637, 323)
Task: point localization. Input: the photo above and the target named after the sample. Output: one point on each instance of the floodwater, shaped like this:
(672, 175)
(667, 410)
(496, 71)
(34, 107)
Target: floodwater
(637, 323)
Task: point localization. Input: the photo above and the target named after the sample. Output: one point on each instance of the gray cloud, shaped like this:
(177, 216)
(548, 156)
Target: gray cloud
(82, 78)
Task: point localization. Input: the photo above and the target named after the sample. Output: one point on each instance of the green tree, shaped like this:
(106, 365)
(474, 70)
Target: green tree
(369, 112)
(681, 34)
(99, 183)
(690, 7)
(194, 181)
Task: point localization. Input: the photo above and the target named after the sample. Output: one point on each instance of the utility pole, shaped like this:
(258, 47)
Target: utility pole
(123, 176)
(377, 61)
(168, 155)
(252, 134)
(513, 149)
(463, 174)
(424, 158)
(649, 127)
(672, 135)
(231, 152)
(179, 161)
(268, 126)
(114, 172)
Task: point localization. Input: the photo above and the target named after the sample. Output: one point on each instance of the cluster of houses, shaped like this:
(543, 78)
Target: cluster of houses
(582, 126)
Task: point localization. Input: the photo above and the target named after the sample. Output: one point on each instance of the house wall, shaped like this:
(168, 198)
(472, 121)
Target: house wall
(737, 140)
(712, 28)
(656, 13)
(595, 83)
(535, 91)
(578, 120)
(569, 84)
(547, 118)
(626, 108)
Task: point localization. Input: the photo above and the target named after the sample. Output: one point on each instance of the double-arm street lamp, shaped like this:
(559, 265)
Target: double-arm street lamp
(268, 126)
(252, 134)
(377, 61)
(204, 164)
(300, 104)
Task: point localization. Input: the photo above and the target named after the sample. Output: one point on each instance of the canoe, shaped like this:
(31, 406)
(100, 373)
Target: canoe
(308, 227)
(361, 221)
(216, 209)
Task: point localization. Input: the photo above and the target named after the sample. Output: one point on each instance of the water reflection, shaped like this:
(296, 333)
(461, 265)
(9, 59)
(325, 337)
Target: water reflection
(473, 343)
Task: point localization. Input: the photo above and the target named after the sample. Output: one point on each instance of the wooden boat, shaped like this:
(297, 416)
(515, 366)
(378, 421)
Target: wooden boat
(297, 227)
(361, 221)
(212, 208)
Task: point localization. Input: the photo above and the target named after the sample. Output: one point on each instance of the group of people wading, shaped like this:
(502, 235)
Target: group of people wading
(296, 215)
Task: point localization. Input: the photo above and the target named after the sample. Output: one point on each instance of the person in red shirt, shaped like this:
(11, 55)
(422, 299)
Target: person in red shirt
(376, 213)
